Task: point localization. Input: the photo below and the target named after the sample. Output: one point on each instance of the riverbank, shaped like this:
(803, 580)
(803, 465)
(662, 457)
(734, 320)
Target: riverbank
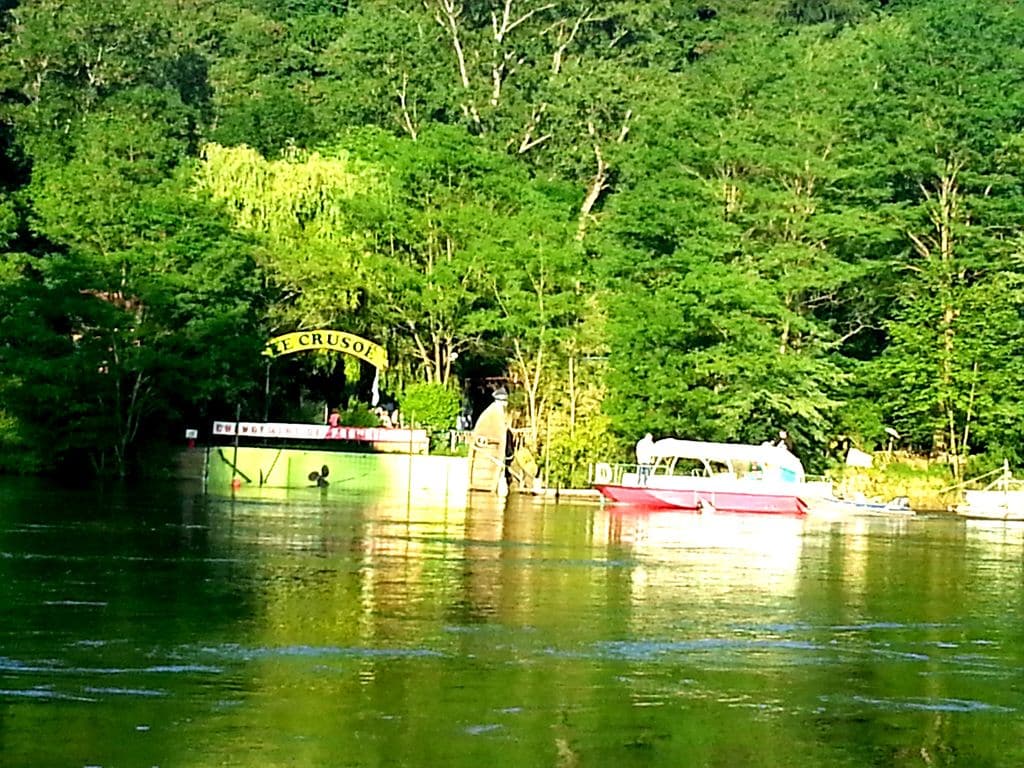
(925, 482)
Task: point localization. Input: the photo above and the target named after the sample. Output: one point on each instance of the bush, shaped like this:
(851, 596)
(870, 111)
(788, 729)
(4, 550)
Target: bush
(571, 453)
(433, 407)
(17, 455)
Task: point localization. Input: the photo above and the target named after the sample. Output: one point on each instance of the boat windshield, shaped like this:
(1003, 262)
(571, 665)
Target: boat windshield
(688, 467)
(701, 459)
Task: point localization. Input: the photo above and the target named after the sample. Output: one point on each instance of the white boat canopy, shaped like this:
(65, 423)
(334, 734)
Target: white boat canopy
(766, 454)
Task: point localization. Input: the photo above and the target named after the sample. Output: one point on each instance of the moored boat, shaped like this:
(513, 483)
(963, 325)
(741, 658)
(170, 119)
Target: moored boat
(832, 506)
(1001, 499)
(387, 461)
(704, 476)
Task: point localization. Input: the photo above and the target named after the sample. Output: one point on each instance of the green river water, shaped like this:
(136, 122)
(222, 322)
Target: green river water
(158, 627)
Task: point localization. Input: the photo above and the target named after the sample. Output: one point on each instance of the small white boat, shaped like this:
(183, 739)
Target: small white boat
(832, 506)
(1001, 499)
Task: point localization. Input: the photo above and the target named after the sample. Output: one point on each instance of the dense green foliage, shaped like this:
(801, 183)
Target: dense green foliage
(432, 406)
(711, 219)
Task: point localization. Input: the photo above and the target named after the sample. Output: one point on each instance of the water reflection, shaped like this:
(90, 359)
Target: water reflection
(306, 628)
(1004, 537)
(706, 556)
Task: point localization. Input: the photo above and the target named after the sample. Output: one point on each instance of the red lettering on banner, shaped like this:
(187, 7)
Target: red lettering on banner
(320, 432)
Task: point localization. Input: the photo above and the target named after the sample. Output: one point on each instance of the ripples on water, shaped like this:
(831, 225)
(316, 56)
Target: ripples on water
(316, 629)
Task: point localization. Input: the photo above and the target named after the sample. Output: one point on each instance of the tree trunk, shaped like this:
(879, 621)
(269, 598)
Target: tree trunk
(938, 248)
(599, 182)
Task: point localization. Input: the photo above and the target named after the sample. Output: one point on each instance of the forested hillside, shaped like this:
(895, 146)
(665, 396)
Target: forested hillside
(708, 219)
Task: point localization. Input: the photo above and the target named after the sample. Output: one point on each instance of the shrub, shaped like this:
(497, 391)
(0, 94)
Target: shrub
(17, 455)
(432, 406)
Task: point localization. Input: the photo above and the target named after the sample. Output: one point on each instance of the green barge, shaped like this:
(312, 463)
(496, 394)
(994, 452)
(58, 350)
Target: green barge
(382, 461)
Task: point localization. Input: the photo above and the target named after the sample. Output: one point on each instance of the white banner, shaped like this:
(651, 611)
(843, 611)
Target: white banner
(321, 432)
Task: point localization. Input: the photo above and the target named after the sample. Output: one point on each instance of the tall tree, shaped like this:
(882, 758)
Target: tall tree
(951, 125)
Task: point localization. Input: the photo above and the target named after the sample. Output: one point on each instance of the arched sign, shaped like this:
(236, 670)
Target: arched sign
(338, 341)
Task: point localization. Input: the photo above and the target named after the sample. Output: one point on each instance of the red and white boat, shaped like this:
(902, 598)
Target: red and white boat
(698, 476)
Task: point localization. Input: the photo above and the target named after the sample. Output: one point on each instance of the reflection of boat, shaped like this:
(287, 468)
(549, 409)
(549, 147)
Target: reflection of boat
(707, 560)
(832, 506)
(1001, 499)
(699, 476)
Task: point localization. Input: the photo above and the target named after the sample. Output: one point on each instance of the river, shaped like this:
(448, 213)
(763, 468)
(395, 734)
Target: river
(159, 627)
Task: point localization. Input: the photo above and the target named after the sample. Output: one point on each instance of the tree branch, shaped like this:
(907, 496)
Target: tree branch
(407, 122)
(529, 142)
(599, 181)
(558, 56)
(449, 23)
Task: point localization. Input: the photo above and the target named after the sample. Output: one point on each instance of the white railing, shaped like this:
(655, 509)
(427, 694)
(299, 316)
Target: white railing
(604, 473)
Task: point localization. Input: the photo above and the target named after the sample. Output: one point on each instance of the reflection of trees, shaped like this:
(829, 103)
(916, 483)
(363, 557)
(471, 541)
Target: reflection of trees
(377, 633)
(102, 590)
(367, 632)
(898, 605)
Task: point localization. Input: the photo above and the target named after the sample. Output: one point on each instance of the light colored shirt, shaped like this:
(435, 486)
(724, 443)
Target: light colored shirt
(645, 450)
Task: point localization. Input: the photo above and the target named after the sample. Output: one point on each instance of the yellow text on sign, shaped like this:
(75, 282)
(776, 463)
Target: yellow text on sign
(339, 341)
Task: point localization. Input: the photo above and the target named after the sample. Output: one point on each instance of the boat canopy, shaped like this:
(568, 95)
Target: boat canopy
(766, 455)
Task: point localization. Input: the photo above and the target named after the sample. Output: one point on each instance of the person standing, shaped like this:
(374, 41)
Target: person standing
(644, 457)
(784, 441)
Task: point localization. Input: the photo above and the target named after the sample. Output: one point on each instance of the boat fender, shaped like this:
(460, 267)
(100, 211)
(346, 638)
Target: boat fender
(602, 473)
(705, 507)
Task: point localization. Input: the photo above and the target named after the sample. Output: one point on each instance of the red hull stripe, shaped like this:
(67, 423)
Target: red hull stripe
(666, 498)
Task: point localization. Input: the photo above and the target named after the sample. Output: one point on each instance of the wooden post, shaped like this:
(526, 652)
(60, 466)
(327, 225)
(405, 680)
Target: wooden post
(408, 477)
(547, 451)
(266, 395)
(234, 457)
